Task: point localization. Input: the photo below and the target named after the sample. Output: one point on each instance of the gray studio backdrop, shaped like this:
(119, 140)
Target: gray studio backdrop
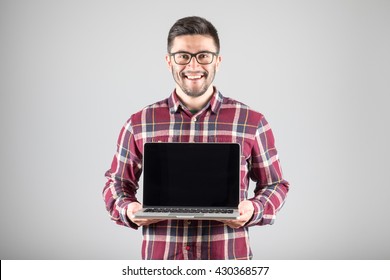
(72, 72)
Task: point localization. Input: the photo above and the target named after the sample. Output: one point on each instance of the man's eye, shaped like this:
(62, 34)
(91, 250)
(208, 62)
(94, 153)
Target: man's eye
(203, 55)
(184, 56)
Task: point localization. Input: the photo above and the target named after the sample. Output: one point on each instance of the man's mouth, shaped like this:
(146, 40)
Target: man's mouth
(193, 76)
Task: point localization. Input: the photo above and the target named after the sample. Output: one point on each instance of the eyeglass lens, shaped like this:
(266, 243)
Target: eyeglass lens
(185, 58)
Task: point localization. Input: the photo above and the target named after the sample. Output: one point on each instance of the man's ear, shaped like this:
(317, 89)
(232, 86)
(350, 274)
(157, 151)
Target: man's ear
(219, 59)
(169, 61)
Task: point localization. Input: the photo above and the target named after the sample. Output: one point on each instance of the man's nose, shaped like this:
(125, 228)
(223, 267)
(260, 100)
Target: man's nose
(193, 63)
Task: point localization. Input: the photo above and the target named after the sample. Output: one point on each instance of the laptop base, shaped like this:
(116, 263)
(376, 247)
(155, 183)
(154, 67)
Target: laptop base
(186, 216)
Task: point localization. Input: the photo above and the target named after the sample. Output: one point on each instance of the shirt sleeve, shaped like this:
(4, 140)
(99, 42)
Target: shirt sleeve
(122, 177)
(271, 189)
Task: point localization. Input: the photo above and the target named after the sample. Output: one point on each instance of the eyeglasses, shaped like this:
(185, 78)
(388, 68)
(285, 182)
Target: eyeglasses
(184, 58)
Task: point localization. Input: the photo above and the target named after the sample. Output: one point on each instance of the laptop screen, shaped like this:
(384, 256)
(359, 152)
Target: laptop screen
(191, 174)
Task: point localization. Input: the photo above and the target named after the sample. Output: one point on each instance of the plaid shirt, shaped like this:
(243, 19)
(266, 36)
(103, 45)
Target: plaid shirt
(221, 120)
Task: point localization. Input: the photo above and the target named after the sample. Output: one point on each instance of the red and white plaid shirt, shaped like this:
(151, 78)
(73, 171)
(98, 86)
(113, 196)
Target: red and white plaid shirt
(222, 120)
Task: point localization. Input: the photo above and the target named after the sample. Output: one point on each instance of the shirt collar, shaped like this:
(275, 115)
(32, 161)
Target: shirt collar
(214, 104)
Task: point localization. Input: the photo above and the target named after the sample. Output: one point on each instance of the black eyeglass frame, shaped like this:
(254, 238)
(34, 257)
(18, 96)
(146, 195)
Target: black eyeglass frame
(194, 55)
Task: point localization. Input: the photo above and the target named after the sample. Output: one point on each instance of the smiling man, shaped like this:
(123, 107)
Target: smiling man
(197, 112)
(194, 60)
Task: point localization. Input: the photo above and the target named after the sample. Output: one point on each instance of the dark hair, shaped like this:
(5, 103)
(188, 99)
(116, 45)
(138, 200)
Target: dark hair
(192, 26)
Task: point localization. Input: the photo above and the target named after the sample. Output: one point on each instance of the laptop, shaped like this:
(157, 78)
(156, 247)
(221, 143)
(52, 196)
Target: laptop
(191, 181)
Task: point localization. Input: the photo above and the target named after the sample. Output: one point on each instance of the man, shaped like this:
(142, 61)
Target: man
(197, 112)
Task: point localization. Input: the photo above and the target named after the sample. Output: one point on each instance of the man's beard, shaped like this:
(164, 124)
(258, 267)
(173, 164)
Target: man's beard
(191, 91)
(194, 93)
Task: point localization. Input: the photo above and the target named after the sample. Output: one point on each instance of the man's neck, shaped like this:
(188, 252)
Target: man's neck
(195, 103)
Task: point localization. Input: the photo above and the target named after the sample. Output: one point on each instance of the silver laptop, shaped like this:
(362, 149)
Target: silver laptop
(191, 181)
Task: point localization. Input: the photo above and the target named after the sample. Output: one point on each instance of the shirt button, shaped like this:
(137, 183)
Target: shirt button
(188, 223)
(194, 119)
(188, 248)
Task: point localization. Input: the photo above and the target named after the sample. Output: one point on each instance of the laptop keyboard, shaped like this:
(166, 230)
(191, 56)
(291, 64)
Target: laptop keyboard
(185, 210)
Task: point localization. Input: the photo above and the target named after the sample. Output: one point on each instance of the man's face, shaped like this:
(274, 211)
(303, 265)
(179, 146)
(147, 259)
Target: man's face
(193, 79)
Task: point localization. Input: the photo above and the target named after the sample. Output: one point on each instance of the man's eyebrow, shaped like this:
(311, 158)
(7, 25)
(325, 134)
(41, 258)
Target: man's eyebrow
(179, 51)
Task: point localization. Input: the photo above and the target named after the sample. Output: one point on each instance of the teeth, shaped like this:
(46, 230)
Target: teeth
(194, 77)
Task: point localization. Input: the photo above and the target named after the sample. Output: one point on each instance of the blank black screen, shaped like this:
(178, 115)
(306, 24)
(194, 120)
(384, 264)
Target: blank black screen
(191, 174)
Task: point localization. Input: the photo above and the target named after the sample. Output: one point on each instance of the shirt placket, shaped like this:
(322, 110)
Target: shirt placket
(187, 241)
(194, 129)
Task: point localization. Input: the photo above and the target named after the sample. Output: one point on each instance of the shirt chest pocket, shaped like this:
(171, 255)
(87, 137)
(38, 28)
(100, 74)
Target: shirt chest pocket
(220, 139)
(163, 139)
(244, 143)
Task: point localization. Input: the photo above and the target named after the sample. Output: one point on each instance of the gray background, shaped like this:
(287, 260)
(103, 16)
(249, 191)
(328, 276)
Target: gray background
(72, 72)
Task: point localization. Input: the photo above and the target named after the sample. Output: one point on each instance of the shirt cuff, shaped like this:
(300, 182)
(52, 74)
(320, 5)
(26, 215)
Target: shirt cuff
(257, 213)
(125, 219)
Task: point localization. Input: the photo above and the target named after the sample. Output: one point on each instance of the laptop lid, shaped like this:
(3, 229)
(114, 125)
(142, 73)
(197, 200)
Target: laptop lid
(191, 175)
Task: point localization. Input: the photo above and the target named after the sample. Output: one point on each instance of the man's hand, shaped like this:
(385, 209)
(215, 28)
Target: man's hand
(135, 207)
(245, 208)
